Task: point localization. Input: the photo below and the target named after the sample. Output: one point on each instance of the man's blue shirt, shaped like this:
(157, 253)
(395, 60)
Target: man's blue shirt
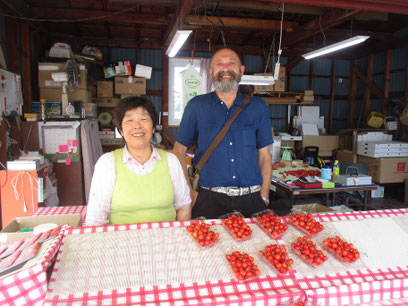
(234, 162)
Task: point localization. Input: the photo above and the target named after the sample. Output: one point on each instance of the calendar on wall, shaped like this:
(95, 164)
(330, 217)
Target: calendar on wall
(60, 141)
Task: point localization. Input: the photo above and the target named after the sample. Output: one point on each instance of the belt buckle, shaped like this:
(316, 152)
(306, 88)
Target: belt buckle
(232, 191)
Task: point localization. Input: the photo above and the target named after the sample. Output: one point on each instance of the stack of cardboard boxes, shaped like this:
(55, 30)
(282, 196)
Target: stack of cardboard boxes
(51, 90)
(109, 94)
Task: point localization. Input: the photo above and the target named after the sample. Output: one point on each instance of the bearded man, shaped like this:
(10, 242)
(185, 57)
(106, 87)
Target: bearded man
(237, 176)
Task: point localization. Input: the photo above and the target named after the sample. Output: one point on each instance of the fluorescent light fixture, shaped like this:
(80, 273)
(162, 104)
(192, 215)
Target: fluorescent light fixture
(257, 80)
(337, 46)
(177, 42)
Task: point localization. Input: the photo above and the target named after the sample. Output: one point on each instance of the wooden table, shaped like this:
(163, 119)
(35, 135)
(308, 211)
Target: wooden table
(297, 191)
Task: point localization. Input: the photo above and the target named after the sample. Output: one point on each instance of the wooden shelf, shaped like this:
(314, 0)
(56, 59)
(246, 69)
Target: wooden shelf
(285, 97)
(276, 100)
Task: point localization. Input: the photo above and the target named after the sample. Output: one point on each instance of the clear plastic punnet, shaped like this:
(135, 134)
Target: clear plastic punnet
(272, 225)
(341, 249)
(202, 233)
(276, 256)
(307, 251)
(242, 264)
(235, 224)
(305, 222)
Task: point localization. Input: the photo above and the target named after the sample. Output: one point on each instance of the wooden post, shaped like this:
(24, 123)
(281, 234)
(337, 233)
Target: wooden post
(26, 65)
(388, 62)
(352, 96)
(311, 68)
(12, 49)
(332, 85)
(367, 97)
(165, 96)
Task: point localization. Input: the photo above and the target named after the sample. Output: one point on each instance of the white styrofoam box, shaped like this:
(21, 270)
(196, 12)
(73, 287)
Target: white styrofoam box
(294, 138)
(309, 129)
(308, 111)
(274, 149)
(383, 154)
(320, 124)
(348, 180)
(374, 136)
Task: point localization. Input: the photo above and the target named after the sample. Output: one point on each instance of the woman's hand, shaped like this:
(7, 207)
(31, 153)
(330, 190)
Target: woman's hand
(193, 195)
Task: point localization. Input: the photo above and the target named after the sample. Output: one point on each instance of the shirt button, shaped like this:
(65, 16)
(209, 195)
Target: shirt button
(222, 102)
(232, 159)
(233, 177)
(230, 143)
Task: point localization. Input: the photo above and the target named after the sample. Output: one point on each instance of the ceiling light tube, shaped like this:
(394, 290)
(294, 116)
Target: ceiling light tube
(257, 80)
(177, 42)
(337, 46)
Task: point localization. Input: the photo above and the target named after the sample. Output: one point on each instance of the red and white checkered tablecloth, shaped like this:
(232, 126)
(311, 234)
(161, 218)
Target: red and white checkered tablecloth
(29, 286)
(361, 286)
(384, 286)
(283, 290)
(61, 210)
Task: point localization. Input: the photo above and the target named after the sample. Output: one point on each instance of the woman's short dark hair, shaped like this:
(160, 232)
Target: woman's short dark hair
(130, 103)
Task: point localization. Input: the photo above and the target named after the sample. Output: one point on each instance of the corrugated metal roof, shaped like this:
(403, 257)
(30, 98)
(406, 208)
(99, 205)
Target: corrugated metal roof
(342, 68)
(322, 66)
(155, 83)
(399, 58)
(397, 81)
(341, 86)
(321, 86)
(150, 57)
(379, 62)
(298, 84)
(253, 63)
(301, 68)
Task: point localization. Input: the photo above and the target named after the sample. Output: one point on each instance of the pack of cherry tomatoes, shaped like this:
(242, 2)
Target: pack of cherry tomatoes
(341, 249)
(242, 264)
(236, 226)
(305, 223)
(277, 257)
(270, 224)
(202, 233)
(307, 250)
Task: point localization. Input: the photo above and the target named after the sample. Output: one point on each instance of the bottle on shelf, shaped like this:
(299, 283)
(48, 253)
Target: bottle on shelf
(42, 109)
(336, 170)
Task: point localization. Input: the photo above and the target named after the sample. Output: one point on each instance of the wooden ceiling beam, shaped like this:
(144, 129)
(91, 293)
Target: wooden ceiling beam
(183, 9)
(240, 23)
(79, 14)
(144, 2)
(391, 6)
(103, 42)
(267, 7)
(316, 25)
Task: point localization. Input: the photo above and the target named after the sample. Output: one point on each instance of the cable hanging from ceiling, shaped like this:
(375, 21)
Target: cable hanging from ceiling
(71, 20)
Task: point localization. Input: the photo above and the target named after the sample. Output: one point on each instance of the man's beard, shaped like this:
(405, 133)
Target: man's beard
(226, 85)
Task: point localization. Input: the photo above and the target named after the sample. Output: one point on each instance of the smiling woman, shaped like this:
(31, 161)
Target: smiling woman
(137, 183)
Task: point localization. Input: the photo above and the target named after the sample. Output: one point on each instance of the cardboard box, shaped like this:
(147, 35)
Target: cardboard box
(107, 102)
(326, 144)
(386, 170)
(45, 71)
(74, 220)
(345, 156)
(90, 110)
(314, 208)
(279, 83)
(54, 95)
(51, 108)
(130, 85)
(104, 89)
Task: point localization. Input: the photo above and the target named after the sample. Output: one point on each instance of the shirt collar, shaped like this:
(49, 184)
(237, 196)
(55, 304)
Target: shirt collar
(239, 100)
(126, 156)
